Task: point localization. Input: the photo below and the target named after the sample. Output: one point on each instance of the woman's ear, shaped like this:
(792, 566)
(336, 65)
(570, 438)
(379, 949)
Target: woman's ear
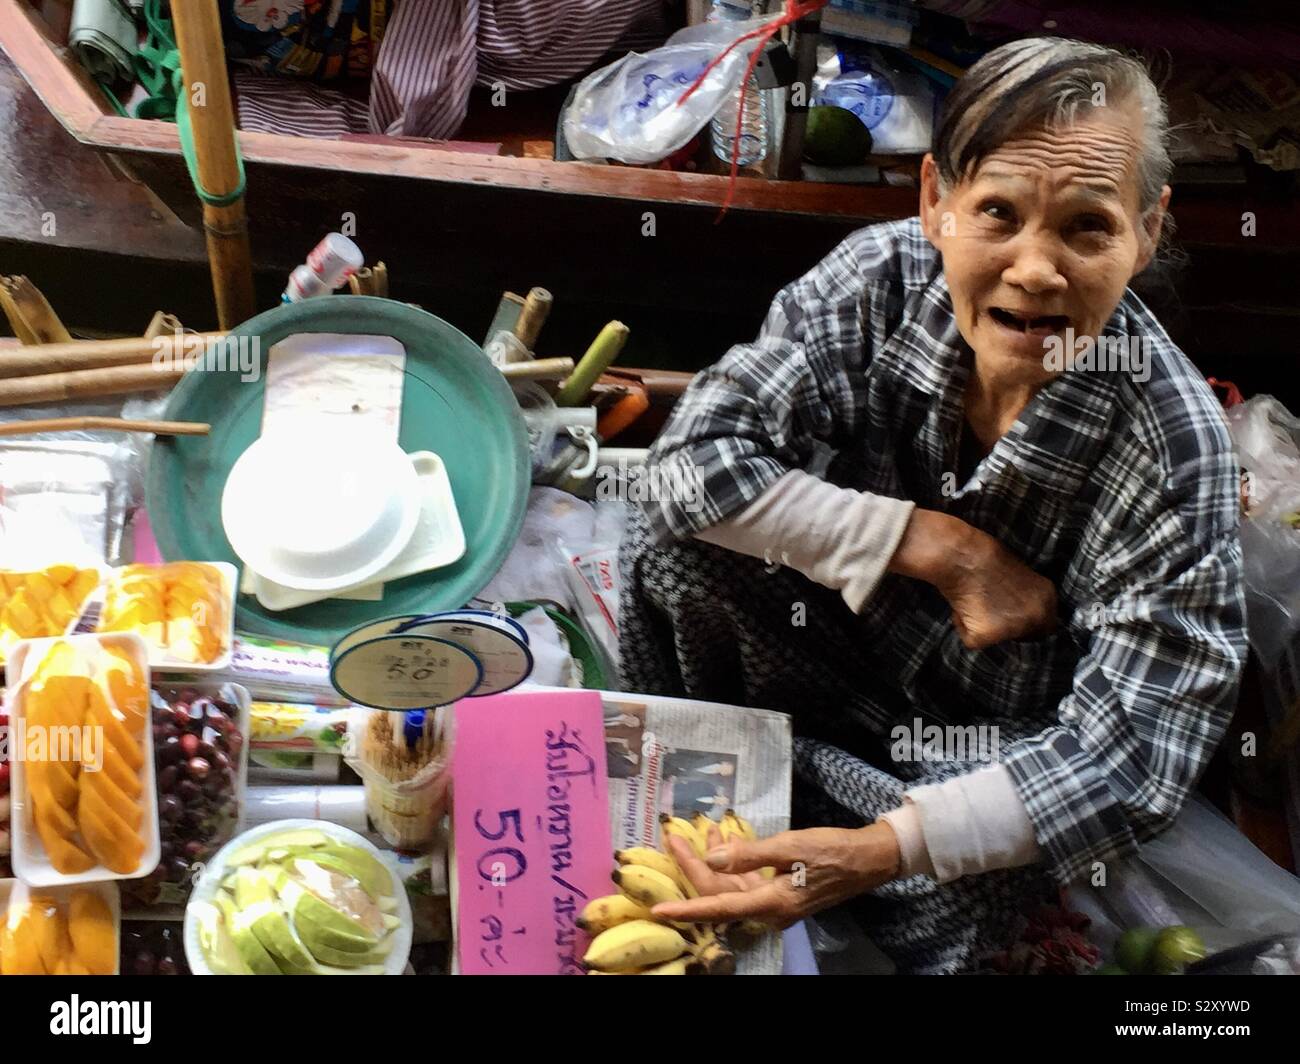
(1152, 225)
(930, 199)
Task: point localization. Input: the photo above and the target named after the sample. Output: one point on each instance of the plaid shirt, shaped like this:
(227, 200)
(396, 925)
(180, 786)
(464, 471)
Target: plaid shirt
(1123, 493)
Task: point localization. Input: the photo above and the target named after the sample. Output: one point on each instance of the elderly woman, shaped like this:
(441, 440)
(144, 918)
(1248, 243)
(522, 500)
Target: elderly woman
(962, 480)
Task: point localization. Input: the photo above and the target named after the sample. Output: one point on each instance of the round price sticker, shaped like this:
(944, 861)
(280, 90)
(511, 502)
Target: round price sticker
(506, 659)
(400, 672)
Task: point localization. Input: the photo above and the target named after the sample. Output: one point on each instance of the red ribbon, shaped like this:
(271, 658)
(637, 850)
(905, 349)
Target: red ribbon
(794, 10)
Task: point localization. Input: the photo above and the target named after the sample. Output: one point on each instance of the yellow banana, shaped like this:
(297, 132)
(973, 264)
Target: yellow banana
(716, 959)
(675, 825)
(601, 914)
(646, 886)
(674, 967)
(660, 862)
(734, 824)
(635, 944)
(701, 824)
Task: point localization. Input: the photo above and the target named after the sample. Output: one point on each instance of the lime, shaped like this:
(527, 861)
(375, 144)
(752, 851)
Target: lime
(1133, 950)
(835, 137)
(1175, 949)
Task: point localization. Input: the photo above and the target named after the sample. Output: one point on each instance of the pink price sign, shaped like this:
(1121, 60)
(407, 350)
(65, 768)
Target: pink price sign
(530, 814)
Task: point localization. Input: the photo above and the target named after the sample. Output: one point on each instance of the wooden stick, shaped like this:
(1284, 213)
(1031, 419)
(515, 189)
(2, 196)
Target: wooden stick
(82, 384)
(112, 424)
(197, 25)
(381, 280)
(98, 354)
(362, 283)
(603, 350)
(507, 314)
(538, 369)
(30, 313)
(537, 307)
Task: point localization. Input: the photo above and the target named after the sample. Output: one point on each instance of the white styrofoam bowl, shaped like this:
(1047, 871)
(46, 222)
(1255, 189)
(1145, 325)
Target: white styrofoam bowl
(210, 882)
(320, 510)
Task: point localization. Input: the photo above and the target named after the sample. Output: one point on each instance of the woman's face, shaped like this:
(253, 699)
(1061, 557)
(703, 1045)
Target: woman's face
(1043, 237)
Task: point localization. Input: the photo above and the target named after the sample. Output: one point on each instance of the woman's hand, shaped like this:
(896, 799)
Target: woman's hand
(993, 594)
(816, 869)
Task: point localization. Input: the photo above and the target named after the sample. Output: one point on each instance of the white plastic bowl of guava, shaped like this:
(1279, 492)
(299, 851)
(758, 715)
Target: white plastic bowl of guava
(203, 901)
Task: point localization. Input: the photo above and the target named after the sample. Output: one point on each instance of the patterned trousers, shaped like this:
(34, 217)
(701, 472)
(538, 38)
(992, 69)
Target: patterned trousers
(702, 622)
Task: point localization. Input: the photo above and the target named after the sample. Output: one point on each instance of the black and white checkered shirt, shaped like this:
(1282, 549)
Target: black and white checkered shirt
(1123, 492)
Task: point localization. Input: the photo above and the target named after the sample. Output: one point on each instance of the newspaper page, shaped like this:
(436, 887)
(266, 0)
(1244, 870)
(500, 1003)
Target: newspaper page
(674, 755)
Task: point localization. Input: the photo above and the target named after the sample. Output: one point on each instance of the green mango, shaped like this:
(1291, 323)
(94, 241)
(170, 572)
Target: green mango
(374, 878)
(217, 945)
(343, 958)
(250, 949)
(317, 920)
(257, 903)
(306, 838)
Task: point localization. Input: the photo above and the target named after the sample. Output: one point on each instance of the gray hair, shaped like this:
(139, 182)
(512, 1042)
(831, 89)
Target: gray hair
(1044, 81)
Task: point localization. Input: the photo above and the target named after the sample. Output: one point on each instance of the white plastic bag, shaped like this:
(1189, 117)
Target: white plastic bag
(896, 104)
(628, 110)
(1201, 873)
(1268, 444)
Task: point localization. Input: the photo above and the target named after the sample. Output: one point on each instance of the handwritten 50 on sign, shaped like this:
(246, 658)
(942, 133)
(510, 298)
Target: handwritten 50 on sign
(531, 820)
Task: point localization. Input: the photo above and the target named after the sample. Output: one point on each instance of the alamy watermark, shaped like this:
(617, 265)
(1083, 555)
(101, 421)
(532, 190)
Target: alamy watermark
(210, 354)
(918, 741)
(1102, 354)
(67, 743)
(674, 482)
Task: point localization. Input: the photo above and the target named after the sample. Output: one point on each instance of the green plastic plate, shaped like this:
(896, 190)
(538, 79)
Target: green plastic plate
(454, 403)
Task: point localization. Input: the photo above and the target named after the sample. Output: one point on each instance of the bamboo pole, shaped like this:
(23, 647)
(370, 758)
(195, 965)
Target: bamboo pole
(111, 424)
(82, 384)
(99, 354)
(197, 26)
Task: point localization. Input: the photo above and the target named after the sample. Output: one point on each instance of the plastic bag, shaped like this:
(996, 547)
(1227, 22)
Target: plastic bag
(628, 110)
(895, 104)
(1201, 873)
(1268, 444)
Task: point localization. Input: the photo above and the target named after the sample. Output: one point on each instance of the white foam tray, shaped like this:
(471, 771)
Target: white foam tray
(9, 888)
(30, 862)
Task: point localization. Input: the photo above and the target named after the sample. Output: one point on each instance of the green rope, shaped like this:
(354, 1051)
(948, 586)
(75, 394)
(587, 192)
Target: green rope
(158, 67)
(112, 98)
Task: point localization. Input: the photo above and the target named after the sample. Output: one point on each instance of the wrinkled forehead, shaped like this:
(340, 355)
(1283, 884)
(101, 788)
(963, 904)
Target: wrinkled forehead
(1095, 156)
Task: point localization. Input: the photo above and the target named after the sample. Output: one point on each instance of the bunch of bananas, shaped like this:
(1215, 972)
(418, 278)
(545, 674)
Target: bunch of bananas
(629, 940)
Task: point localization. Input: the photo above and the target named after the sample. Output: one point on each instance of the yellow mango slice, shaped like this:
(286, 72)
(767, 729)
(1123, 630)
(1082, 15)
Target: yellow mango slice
(117, 739)
(52, 783)
(127, 688)
(111, 841)
(127, 781)
(82, 585)
(94, 941)
(50, 929)
(67, 857)
(113, 796)
(60, 574)
(22, 617)
(19, 950)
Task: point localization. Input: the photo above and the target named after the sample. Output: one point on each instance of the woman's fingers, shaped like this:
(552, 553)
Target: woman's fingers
(771, 902)
(779, 852)
(703, 878)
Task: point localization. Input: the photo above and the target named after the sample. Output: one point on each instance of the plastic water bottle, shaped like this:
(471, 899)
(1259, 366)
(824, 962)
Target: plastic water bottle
(753, 127)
